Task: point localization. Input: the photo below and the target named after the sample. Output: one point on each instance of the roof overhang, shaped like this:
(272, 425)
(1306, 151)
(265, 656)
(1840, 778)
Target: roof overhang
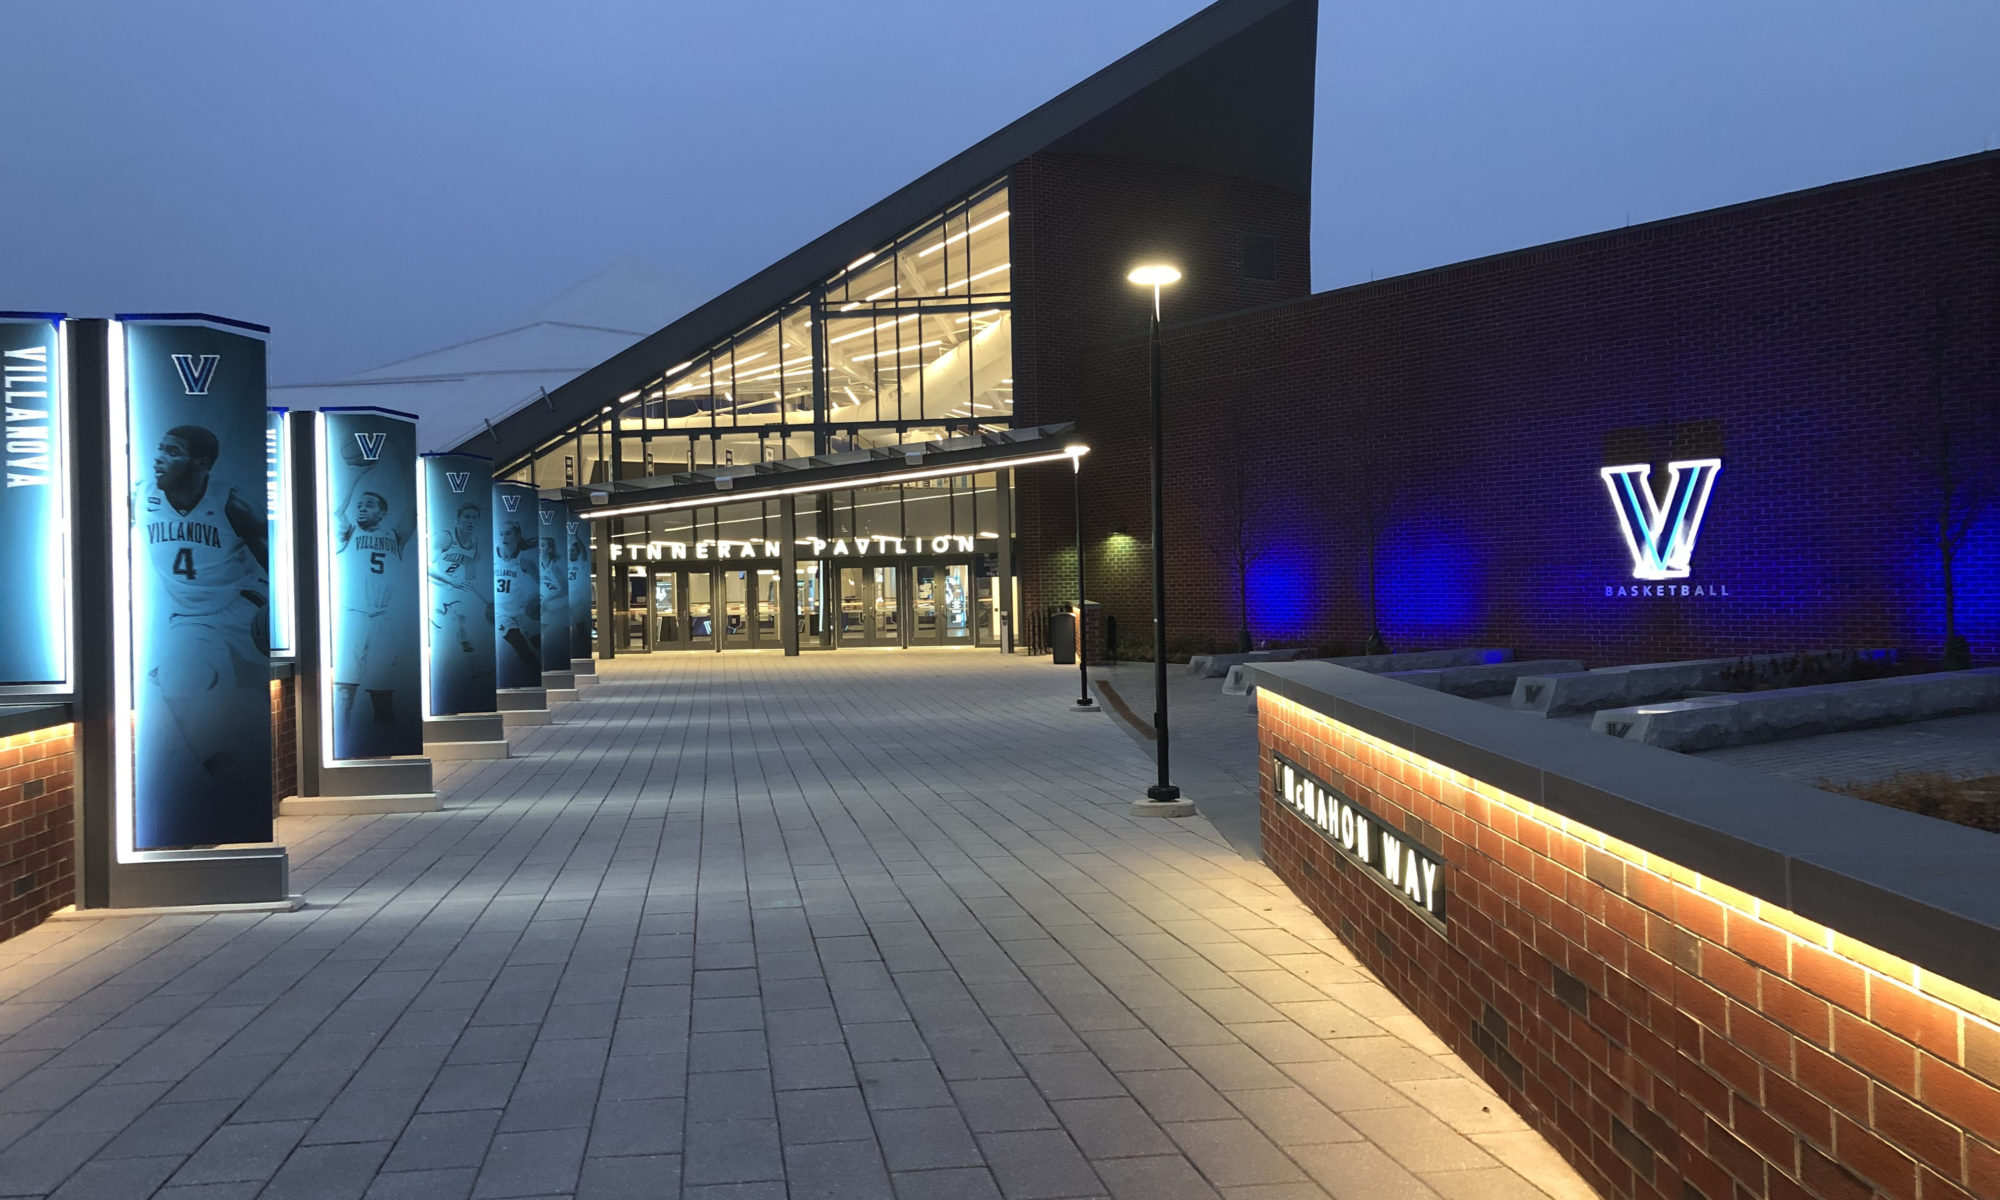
(1230, 89)
(970, 455)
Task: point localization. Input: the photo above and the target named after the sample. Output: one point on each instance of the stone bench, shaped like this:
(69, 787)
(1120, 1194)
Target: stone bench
(1555, 695)
(1241, 683)
(1491, 679)
(1710, 722)
(1214, 666)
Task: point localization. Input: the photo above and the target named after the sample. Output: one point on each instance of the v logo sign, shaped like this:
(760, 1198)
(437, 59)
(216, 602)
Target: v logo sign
(196, 375)
(457, 480)
(370, 444)
(510, 502)
(1661, 535)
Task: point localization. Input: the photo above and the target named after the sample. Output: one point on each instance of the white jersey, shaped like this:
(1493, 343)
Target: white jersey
(512, 588)
(376, 550)
(456, 564)
(202, 564)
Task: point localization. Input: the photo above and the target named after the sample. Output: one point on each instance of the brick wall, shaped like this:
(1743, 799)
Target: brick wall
(1675, 1039)
(37, 821)
(1463, 414)
(1080, 224)
(284, 739)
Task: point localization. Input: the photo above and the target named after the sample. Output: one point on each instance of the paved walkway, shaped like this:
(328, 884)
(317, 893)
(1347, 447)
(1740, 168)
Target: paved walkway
(855, 925)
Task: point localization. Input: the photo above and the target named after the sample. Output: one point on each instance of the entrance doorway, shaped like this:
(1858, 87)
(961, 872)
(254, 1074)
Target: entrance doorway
(941, 604)
(870, 609)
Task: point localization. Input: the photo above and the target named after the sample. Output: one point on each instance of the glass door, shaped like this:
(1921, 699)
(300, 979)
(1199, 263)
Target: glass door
(735, 610)
(887, 611)
(954, 603)
(925, 594)
(668, 633)
(698, 588)
(633, 615)
(812, 612)
(854, 605)
(765, 633)
(985, 610)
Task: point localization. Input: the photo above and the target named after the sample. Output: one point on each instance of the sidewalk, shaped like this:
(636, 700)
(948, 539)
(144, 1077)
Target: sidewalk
(859, 925)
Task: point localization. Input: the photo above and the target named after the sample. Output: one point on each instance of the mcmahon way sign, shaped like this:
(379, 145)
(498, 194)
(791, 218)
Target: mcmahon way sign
(1405, 869)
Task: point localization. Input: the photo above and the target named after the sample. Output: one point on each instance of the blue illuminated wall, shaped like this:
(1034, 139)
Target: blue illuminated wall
(1817, 343)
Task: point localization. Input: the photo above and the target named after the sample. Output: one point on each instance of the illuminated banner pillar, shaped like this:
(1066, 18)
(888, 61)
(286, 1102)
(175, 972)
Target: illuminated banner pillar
(458, 556)
(580, 576)
(278, 477)
(34, 504)
(517, 587)
(368, 533)
(552, 521)
(172, 663)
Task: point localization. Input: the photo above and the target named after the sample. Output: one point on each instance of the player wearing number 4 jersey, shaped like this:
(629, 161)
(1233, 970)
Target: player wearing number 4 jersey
(208, 547)
(370, 547)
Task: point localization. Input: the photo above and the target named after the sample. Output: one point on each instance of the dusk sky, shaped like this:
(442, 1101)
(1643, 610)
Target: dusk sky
(373, 178)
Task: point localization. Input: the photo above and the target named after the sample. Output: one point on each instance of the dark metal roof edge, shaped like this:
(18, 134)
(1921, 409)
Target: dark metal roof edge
(520, 431)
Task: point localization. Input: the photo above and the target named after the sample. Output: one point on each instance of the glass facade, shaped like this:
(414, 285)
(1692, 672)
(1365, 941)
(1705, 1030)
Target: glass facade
(911, 343)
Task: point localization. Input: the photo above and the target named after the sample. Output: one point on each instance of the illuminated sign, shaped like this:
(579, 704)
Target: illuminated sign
(1408, 871)
(456, 519)
(517, 605)
(1661, 535)
(553, 534)
(190, 498)
(856, 547)
(278, 479)
(372, 580)
(579, 587)
(34, 606)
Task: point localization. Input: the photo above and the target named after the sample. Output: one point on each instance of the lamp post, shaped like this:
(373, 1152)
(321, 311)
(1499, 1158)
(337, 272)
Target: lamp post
(1083, 701)
(1163, 799)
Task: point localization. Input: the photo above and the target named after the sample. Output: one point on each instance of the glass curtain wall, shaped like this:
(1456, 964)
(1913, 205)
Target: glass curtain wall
(911, 342)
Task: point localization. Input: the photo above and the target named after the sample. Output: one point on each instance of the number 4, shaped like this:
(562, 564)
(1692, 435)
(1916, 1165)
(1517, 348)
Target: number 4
(184, 562)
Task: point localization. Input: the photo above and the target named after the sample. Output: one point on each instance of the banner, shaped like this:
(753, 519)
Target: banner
(34, 606)
(554, 517)
(458, 526)
(370, 573)
(278, 480)
(198, 578)
(579, 587)
(517, 602)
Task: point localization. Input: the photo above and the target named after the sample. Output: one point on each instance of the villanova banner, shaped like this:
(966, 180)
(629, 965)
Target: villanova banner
(278, 478)
(198, 575)
(458, 557)
(554, 522)
(34, 606)
(371, 577)
(579, 586)
(517, 603)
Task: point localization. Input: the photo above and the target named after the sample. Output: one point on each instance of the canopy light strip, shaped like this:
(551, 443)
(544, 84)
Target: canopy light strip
(726, 495)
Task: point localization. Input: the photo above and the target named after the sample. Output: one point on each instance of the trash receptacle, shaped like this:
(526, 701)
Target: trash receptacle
(1062, 637)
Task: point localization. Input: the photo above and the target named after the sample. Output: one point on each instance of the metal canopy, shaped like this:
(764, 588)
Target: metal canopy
(1230, 90)
(710, 486)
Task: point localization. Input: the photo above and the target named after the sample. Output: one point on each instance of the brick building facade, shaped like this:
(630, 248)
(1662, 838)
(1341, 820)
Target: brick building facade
(1816, 342)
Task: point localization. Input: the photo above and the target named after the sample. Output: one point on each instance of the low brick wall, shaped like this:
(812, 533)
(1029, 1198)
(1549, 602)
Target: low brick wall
(1674, 1036)
(284, 737)
(37, 824)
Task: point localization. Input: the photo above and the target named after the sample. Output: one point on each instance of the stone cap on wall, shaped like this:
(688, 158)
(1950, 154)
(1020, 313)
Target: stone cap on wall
(1924, 890)
(28, 717)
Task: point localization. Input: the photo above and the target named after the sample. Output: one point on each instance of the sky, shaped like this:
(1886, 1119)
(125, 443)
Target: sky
(375, 178)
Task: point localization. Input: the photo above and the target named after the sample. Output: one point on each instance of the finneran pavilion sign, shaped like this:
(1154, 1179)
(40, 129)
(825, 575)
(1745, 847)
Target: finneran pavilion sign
(1385, 855)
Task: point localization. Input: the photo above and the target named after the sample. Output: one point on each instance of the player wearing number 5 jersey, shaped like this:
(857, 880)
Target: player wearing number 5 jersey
(370, 549)
(208, 547)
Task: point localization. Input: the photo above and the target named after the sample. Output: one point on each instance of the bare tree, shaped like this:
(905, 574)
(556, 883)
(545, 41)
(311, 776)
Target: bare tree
(1965, 485)
(1237, 532)
(1370, 487)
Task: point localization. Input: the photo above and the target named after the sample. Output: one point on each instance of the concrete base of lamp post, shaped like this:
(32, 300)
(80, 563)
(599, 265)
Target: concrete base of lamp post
(1163, 808)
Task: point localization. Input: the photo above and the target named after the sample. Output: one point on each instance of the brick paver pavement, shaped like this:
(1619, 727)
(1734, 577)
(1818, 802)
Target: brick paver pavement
(858, 925)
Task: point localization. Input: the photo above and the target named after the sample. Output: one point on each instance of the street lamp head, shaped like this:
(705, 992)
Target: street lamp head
(1076, 451)
(1154, 275)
